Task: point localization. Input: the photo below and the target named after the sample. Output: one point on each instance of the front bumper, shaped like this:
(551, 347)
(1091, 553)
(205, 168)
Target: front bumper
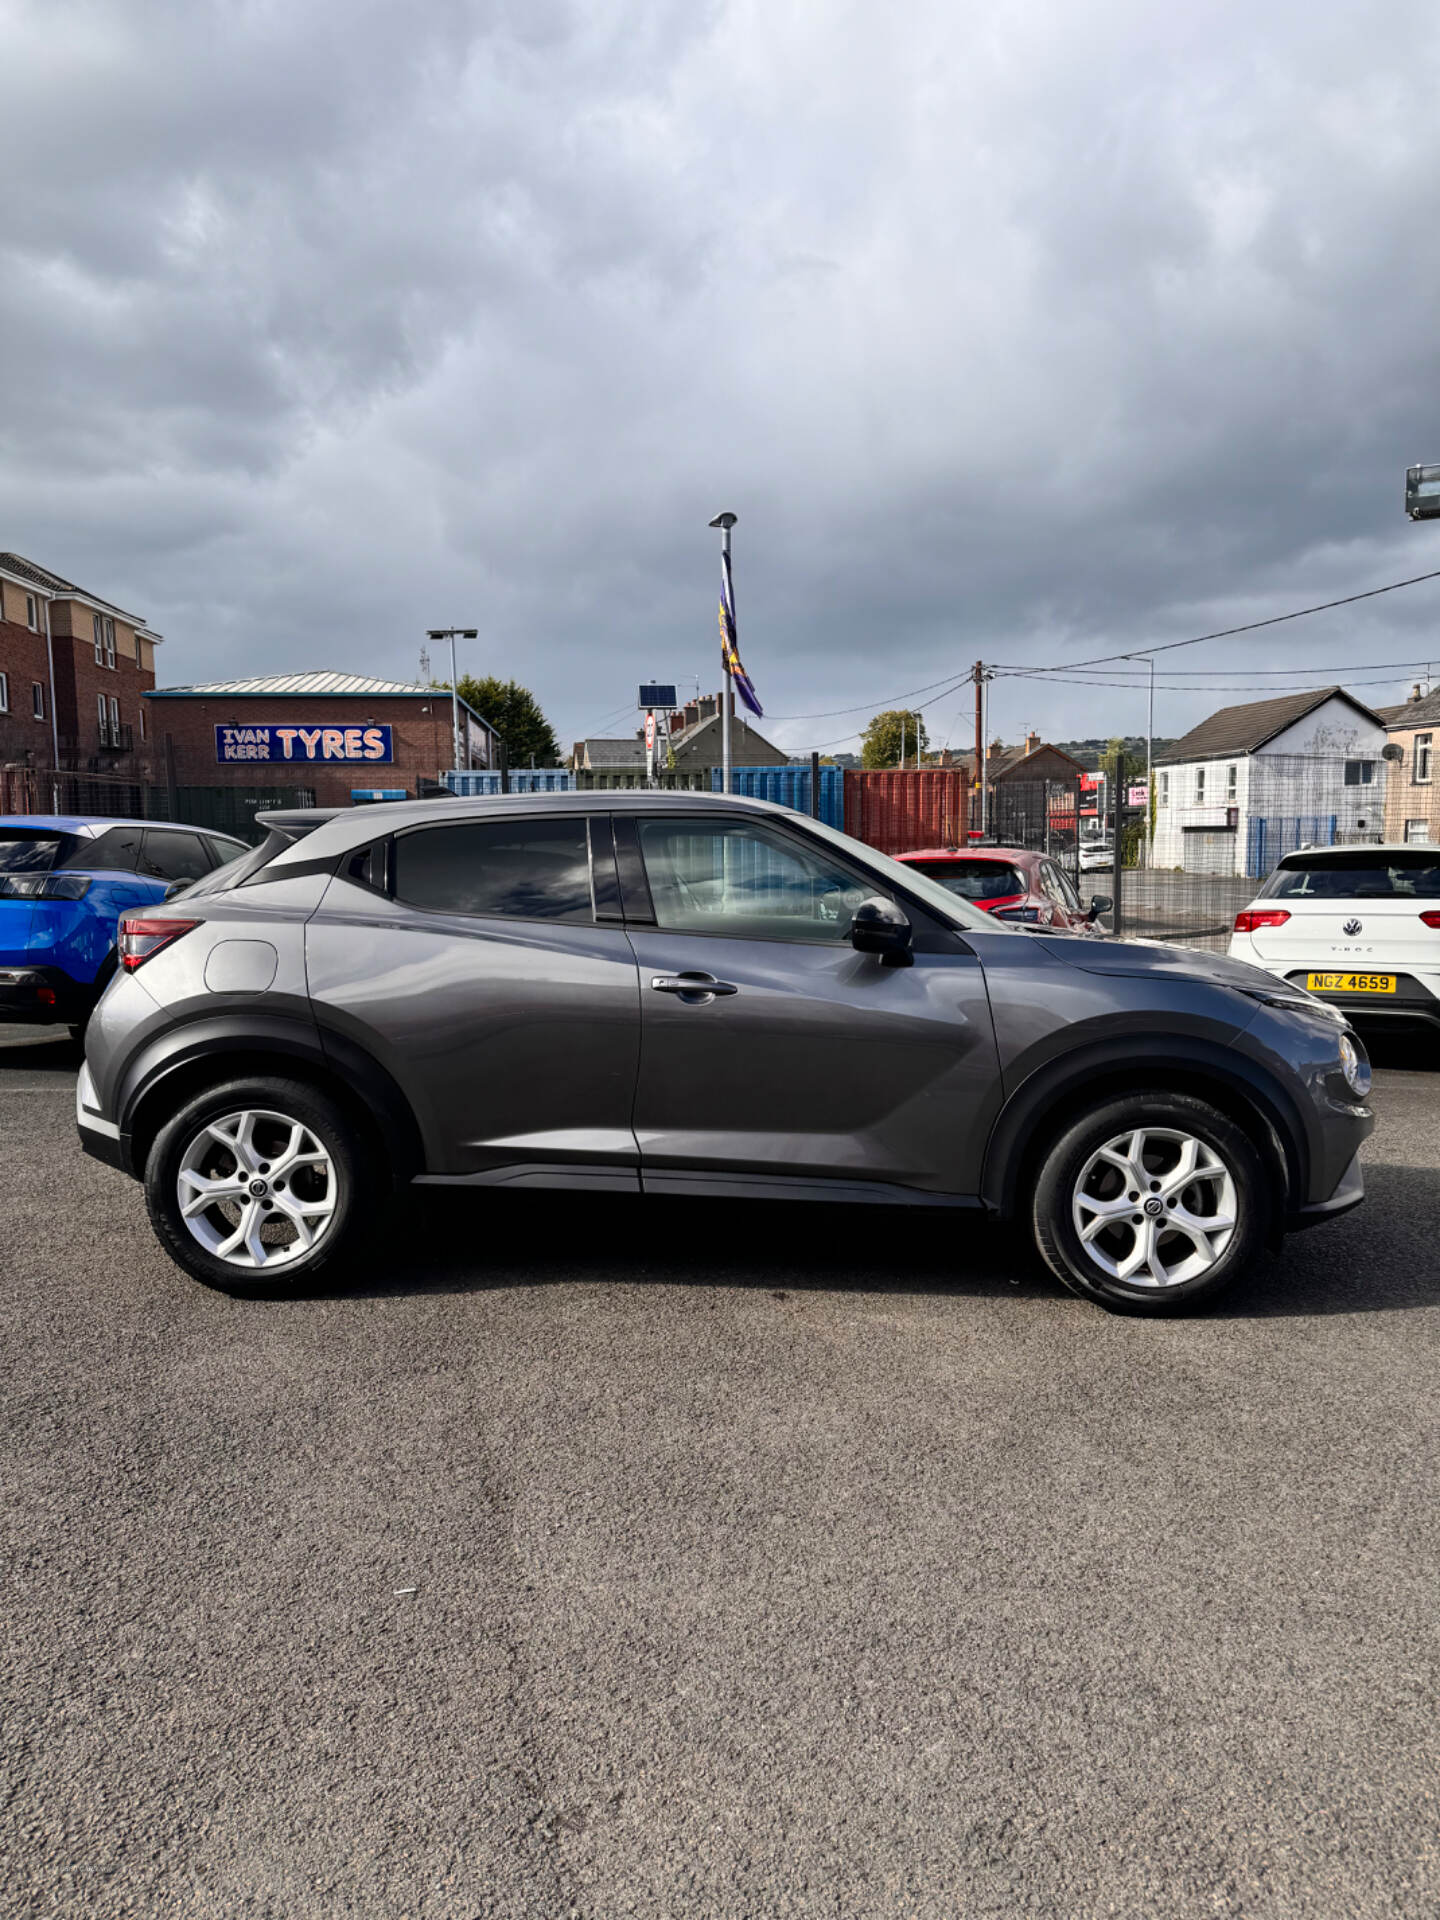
(1349, 1194)
(42, 996)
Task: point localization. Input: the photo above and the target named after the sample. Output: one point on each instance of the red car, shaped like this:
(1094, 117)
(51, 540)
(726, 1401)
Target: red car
(1012, 883)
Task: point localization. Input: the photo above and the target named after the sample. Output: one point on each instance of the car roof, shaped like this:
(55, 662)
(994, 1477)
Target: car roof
(336, 828)
(970, 853)
(90, 824)
(1368, 851)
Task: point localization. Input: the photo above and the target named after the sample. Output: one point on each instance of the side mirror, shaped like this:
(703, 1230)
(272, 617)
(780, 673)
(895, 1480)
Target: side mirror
(1100, 903)
(878, 926)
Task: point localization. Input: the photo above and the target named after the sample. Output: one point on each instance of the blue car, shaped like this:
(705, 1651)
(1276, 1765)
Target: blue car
(64, 882)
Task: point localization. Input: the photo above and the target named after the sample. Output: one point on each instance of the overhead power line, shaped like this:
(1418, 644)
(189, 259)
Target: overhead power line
(1225, 633)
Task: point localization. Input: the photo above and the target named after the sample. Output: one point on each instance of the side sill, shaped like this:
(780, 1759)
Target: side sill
(779, 1186)
(535, 1176)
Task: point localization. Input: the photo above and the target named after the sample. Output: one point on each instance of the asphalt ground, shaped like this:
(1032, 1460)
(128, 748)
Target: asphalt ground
(766, 1561)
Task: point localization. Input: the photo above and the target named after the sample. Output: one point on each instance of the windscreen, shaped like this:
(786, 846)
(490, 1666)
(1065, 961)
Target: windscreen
(32, 850)
(1366, 874)
(972, 879)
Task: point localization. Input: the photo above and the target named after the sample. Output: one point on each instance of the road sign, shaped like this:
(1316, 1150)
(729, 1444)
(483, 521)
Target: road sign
(649, 733)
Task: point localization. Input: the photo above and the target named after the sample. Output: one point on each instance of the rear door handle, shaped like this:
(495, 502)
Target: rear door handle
(698, 986)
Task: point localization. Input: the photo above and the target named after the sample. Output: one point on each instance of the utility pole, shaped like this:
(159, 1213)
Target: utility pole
(978, 676)
(1149, 660)
(725, 521)
(452, 634)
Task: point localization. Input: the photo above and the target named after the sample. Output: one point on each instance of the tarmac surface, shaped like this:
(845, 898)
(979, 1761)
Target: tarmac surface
(598, 1559)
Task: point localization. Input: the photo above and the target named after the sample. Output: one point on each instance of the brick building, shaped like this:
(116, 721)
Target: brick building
(73, 672)
(329, 738)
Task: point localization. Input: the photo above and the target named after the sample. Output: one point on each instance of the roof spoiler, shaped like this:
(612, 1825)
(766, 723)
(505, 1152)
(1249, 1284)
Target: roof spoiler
(295, 822)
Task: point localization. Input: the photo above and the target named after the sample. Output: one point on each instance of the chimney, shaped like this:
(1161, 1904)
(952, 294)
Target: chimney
(1415, 693)
(1032, 741)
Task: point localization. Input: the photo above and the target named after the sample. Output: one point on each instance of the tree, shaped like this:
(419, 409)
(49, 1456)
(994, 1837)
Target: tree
(515, 714)
(881, 741)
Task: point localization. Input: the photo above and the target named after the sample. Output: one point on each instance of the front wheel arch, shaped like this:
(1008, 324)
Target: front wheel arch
(1052, 1098)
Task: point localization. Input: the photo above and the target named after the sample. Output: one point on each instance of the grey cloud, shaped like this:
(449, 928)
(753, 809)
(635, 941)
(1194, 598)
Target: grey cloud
(1025, 332)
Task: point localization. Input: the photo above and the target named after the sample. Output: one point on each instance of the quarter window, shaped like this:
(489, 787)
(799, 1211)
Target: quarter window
(505, 869)
(707, 876)
(174, 856)
(117, 849)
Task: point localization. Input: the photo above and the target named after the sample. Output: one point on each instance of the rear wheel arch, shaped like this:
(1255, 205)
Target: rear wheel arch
(346, 1075)
(1054, 1095)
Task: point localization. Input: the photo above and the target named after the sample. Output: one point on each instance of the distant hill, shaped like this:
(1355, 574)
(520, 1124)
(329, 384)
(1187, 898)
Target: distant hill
(1088, 752)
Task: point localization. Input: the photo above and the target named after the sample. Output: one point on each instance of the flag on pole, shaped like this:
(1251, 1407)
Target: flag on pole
(729, 652)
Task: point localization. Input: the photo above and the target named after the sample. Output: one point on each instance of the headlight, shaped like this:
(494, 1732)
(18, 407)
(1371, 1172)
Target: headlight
(1296, 1000)
(1354, 1066)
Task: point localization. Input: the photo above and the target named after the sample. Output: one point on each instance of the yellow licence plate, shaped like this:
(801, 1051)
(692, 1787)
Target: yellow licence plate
(1350, 982)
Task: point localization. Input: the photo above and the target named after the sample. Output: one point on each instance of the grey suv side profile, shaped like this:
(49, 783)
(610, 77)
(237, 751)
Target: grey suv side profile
(684, 994)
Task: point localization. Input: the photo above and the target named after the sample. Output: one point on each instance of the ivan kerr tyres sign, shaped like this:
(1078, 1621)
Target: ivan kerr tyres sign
(308, 745)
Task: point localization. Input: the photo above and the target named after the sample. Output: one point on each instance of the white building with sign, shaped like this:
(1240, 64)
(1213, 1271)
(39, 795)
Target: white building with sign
(1254, 782)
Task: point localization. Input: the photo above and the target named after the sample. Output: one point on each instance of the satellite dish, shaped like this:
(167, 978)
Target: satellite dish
(1392, 751)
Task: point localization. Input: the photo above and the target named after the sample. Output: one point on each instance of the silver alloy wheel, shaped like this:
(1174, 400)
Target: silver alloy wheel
(257, 1189)
(1155, 1207)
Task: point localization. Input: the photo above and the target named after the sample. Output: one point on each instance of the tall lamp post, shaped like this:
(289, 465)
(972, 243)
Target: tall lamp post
(452, 634)
(725, 521)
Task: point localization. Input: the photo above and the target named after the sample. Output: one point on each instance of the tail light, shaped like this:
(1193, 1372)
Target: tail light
(1431, 919)
(48, 886)
(141, 939)
(1254, 918)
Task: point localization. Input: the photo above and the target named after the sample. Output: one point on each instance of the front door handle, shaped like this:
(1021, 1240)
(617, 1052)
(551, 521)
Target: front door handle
(700, 987)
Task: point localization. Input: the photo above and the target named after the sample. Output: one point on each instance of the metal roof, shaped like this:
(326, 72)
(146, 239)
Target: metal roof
(322, 681)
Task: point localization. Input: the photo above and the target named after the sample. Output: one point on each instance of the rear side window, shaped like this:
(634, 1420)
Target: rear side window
(224, 850)
(174, 856)
(1362, 875)
(116, 850)
(973, 879)
(22, 852)
(508, 869)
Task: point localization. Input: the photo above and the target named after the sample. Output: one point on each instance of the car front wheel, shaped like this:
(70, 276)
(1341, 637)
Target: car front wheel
(258, 1185)
(1151, 1203)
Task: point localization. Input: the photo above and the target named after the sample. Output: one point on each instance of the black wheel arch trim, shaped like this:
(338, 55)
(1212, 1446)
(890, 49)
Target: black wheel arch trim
(1029, 1111)
(232, 1039)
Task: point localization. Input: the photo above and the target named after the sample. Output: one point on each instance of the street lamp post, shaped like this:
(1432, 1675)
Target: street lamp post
(725, 521)
(452, 634)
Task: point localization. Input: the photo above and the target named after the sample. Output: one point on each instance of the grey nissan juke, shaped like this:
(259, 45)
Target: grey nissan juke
(685, 994)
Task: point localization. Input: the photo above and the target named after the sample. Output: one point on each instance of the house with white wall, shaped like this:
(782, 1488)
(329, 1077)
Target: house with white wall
(1254, 782)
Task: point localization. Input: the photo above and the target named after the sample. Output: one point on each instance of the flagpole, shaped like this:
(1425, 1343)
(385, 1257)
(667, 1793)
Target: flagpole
(725, 521)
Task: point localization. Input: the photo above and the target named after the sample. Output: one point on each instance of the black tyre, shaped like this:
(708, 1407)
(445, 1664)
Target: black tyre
(259, 1186)
(1151, 1203)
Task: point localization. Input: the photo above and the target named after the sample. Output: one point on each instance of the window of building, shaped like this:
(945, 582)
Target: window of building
(1417, 832)
(104, 730)
(104, 630)
(32, 613)
(1359, 773)
(1420, 772)
(512, 869)
(109, 642)
(99, 632)
(142, 719)
(4, 693)
(37, 699)
(1232, 782)
(1200, 786)
(114, 721)
(1164, 789)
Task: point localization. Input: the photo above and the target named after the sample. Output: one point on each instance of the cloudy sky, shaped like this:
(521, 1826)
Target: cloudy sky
(1028, 330)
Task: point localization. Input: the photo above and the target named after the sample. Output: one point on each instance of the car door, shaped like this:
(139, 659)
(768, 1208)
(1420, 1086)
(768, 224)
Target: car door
(171, 854)
(771, 1050)
(483, 964)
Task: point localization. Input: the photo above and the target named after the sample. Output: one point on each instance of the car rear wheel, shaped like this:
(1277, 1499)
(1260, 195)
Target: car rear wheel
(1151, 1203)
(258, 1186)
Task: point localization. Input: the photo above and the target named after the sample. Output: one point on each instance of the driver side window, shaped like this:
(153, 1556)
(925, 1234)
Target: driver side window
(709, 876)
